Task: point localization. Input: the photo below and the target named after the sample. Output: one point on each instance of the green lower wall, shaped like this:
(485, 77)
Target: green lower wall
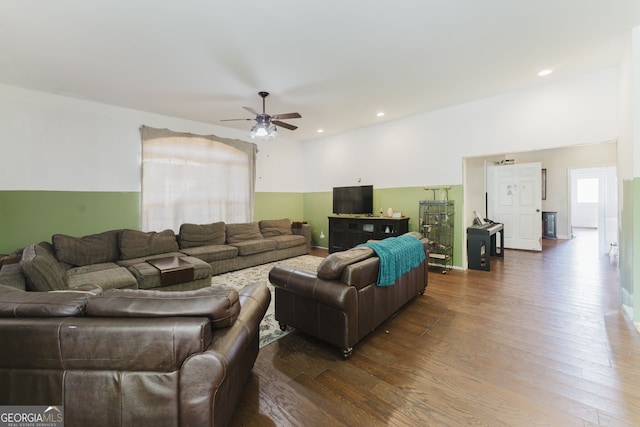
(28, 217)
(318, 207)
(630, 258)
(279, 205)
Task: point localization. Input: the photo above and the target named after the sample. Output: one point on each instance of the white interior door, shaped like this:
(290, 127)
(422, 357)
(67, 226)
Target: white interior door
(515, 200)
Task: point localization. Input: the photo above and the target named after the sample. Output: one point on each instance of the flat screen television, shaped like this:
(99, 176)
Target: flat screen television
(356, 200)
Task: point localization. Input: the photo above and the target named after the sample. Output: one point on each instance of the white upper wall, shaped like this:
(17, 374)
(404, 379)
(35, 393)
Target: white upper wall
(629, 108)
(51, 142)
(428, 149)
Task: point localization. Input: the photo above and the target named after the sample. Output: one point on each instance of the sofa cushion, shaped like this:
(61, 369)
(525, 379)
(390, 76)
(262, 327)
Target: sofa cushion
(92, 268)
(91, 249)
(192, 235)
(258, 246)
(212, 253)
(42, 270)
(136, 244)
(332, 266)
(243, 232)
(218, 303)
(18, 303)
(288, 241)
(105, 275)
(275, 227)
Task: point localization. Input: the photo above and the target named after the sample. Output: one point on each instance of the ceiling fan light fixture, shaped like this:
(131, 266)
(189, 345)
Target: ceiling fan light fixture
(264, 131)
(261, 132)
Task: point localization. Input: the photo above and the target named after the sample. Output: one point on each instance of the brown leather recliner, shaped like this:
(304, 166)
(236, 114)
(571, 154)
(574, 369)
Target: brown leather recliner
(341, 303)
(130, 357)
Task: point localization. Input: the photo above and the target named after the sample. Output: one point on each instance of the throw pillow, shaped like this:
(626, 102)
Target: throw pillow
(193, 235)
(275, 227)
(91, 249)
(138, 244)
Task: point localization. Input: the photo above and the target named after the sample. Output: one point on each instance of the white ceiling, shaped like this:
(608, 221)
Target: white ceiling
(335, 62)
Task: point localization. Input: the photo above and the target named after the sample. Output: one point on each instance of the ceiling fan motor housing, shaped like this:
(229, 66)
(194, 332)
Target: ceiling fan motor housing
(262, 119)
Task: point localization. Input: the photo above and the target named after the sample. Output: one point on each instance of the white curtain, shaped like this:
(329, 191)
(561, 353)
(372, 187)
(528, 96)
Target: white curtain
(196, 179)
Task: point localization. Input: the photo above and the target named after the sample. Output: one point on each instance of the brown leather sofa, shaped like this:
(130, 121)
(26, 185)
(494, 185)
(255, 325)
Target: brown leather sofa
(130, 357)
(341, 303)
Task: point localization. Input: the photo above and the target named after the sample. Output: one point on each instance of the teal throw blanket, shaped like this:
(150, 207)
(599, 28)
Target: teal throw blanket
(397, 256)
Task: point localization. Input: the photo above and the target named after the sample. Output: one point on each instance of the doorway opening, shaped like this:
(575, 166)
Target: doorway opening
(557, 162)
(594, 204)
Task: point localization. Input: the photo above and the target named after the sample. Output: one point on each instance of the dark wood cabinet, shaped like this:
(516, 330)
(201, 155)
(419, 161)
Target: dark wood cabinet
(347, 232)
(549, 225)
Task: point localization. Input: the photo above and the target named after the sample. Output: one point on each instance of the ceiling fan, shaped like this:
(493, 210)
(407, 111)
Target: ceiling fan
(266, 124)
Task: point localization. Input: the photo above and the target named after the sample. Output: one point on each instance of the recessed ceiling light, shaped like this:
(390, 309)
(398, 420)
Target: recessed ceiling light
(320, 130)
(545, 72)
(380, 114)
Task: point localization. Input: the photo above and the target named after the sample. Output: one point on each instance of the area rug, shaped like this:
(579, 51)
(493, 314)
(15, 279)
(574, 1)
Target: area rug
(269, 329)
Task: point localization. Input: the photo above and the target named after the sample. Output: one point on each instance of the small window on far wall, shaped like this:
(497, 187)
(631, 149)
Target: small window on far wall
(587, 190)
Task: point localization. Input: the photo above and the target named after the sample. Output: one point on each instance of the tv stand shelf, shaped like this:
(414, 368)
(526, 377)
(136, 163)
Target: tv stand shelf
(347, 232)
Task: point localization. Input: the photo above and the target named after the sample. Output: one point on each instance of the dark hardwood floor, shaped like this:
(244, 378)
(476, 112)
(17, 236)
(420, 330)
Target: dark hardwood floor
(540, 340)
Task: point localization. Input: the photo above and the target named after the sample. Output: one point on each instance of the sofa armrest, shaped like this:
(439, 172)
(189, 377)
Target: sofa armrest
(42, 270)
(9, 259)
(254, 302)
(222, 369)
(306, 284)
(302, 229)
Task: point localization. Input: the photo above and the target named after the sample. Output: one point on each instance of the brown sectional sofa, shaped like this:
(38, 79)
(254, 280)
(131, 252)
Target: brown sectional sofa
(130, 357)
(122, 258)
(341, 302)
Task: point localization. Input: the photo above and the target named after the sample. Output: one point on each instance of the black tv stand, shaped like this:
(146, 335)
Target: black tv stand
(347, 232)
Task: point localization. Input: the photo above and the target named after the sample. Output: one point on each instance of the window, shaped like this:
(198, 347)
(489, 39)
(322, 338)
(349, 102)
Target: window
(587, 190)
(195, 179)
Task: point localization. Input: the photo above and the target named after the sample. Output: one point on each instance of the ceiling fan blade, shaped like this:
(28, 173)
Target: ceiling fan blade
(251, 110)
(284, 125)
(231, 120)
(287, 116)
